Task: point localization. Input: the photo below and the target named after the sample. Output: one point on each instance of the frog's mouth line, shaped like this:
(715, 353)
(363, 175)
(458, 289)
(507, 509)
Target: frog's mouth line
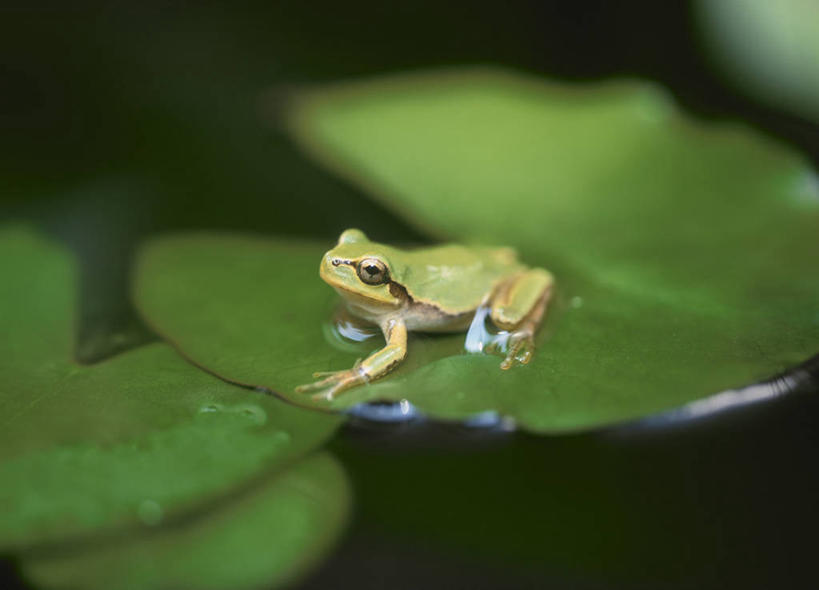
(396, 290)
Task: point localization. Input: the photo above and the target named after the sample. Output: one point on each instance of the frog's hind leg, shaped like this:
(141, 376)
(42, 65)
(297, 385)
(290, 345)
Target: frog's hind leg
(518, 305)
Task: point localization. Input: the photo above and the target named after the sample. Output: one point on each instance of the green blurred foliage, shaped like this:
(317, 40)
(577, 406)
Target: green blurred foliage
(264, 537)
(769, 50)
(85, 449)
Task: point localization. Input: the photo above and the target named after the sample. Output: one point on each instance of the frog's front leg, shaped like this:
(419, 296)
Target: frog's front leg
(518, 305)
(374, 366)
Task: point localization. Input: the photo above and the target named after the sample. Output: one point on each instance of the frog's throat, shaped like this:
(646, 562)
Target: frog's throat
(367, 305)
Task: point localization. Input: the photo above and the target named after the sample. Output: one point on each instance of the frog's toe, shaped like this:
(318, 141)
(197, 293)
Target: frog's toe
(334, 381)
(351, 379)
(319, 386)
(309, 387)
(322, 374)
(493, 346)
(337, 374)
(521, 349)
(336, 390)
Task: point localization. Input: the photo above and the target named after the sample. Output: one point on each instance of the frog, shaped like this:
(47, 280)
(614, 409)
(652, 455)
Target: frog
(429, 289)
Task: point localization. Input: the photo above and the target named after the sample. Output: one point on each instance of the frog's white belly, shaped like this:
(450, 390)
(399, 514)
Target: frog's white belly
(418, 317)
(421, 317)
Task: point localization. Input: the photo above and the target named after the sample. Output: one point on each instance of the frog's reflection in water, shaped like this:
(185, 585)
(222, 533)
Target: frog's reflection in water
(346, 332)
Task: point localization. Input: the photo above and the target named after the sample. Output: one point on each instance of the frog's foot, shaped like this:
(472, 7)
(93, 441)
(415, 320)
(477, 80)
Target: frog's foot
(334, 382)
(521, 348)
(496, 345)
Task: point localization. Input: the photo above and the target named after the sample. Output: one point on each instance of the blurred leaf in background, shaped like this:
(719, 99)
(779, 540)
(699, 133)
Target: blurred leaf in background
(769, 50)
(263, 537)
(134, 440)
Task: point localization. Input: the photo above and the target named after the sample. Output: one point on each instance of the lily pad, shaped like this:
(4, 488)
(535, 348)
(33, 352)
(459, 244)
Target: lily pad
(684, 253)
(87, 448)
(265, 538)
(781, 65)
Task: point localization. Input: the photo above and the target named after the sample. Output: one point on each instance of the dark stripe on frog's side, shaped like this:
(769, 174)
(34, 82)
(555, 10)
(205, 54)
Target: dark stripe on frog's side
(398, 291)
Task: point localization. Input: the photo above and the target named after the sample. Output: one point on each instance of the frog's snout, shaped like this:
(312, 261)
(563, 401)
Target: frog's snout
(329, 266)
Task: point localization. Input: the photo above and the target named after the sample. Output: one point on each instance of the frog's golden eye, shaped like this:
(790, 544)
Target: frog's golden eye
(372, 271)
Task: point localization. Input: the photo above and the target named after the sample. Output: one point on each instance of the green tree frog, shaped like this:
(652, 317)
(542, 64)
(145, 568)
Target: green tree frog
(436, 289)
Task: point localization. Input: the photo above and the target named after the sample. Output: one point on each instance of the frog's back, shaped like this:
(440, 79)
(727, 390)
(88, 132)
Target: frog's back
(455, 278)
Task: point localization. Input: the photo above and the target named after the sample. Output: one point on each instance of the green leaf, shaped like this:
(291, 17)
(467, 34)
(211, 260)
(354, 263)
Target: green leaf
(85, 448)
(684, 254)
(266, 537)
(781, 65)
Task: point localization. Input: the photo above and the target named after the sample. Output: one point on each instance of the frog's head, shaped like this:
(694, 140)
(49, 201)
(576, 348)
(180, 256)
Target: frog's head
(360, 271)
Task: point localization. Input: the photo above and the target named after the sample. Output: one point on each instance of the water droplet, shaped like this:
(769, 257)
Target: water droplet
(491, 420)
(149, 512)
(479, 338)
(485, 419)
(508, 424)
(576, 302)
(402, 411)
(251, 411)
(283, 437)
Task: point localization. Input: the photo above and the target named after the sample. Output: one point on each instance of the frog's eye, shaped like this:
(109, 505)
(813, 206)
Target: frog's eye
(372, 271)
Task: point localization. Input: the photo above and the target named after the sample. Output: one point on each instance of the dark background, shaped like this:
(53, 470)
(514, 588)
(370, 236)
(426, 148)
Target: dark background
(119, 120)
